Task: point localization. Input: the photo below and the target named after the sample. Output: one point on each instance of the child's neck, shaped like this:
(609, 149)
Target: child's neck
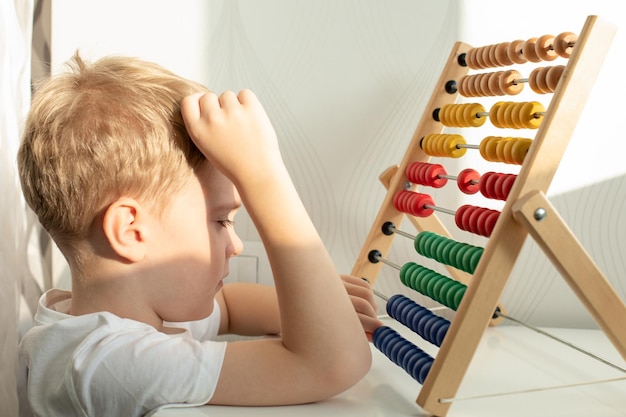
(120, 296)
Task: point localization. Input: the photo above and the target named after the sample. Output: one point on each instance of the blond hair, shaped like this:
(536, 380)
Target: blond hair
(101, 131)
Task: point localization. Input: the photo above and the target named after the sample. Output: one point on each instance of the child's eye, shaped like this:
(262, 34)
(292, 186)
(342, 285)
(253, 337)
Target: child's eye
(226, 223)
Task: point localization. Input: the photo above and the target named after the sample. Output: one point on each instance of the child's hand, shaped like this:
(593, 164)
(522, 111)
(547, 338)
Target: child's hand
(364, 303)
(234, 133)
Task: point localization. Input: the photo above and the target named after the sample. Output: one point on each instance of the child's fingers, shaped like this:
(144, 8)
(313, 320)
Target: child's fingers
(190, 108)
(228, 99)
(370, 324)
(360, 288)
(363, 306)
(246, 97)
(351, 279)
(196, 108)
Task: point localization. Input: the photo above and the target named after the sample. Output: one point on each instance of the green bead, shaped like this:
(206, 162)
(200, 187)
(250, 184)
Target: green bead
(443, 293)
(458, 296)
(404, 271)
(475, 259)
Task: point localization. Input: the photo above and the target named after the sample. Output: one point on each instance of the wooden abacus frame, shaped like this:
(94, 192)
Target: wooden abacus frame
(527, 210)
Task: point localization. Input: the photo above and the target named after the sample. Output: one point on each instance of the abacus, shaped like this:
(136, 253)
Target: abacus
(479, 275)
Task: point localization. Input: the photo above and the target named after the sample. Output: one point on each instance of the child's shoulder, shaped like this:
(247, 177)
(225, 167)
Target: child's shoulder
(96, 356)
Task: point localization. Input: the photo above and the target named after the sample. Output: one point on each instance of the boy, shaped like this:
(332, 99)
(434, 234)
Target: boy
(137, 175)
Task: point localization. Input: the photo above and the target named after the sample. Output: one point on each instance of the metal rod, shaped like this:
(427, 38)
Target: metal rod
(526, 391)
(380, 294)
(441, 209)
(565, 342)
(467, 146)
(388, 262)
(401, 233)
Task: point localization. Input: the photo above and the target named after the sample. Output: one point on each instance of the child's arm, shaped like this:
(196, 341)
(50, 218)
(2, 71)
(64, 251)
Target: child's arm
(248, 309)
(323, 349)
(252, 309)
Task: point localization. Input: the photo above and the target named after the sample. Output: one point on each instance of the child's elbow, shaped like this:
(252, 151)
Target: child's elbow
(349, 369)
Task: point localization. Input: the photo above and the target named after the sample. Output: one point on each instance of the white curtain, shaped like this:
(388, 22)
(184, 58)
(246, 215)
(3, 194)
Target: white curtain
(21, 261)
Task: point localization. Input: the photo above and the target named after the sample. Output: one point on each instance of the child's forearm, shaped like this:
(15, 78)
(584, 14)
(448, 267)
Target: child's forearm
(317, 316)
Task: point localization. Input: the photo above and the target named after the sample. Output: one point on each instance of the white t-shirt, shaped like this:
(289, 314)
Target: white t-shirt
(102, 365)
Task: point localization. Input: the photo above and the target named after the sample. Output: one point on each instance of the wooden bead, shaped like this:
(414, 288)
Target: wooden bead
(494, 84)
(514, 51)
(470, 58)
(553, 76)
(479, 59)
(463, 89)
(564, 44)
(544, 48)
(484, 85)
(507, 82)
(468, 85)
(501, 55)
(541, 82)
(475, 85)
(485, 57)
(491, 49)
(528, 49)
(532, 80)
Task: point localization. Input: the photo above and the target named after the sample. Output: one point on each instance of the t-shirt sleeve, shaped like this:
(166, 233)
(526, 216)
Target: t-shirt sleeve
(142, 369)
(205, 329)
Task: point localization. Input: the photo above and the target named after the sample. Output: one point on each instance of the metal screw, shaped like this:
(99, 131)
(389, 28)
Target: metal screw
(540, 214)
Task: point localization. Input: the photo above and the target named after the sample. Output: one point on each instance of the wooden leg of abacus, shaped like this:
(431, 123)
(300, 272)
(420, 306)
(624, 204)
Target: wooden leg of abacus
(571, 259)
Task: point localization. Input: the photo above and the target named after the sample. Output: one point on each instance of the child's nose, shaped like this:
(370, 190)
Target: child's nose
(236, 245)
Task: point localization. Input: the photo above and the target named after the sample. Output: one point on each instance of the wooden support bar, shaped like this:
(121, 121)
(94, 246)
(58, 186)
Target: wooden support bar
(571, 259)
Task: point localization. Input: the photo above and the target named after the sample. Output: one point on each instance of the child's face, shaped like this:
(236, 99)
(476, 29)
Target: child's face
(198, 240)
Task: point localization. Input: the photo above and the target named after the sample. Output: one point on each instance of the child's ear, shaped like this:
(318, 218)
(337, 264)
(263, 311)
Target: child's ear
(124, 226)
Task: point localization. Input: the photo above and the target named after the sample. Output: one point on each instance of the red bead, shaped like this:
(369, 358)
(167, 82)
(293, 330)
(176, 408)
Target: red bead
(468, 181)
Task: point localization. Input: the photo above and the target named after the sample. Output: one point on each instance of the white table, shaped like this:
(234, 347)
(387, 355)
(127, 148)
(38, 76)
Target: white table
(509, 358)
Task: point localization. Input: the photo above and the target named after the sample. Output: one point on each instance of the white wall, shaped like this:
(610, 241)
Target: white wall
(345, 83)
(169, 32)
